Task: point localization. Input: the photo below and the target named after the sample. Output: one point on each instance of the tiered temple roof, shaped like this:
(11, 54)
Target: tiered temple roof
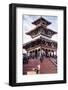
(41, 54)
(41, 30)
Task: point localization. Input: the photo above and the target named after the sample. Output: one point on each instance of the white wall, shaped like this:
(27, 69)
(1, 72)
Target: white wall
(4, 44)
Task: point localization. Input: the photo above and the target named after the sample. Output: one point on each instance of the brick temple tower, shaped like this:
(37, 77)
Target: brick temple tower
(41, 55)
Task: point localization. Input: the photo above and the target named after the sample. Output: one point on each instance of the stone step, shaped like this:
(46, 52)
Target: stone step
(47, 66)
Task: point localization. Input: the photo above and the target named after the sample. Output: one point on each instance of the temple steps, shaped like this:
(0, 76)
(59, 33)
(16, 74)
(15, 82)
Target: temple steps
(46, 66)
(31, 64)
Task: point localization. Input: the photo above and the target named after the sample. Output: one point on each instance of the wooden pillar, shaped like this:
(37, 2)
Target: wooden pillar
(50, 53)
(46, 52)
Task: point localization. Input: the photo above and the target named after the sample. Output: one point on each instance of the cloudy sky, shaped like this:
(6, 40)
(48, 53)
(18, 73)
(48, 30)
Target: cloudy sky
(27, 25)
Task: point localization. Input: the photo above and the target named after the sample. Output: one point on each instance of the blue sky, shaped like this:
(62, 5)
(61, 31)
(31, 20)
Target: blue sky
(27, 25)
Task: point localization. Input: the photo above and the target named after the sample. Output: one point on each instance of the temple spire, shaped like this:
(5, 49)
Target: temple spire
(42, 20)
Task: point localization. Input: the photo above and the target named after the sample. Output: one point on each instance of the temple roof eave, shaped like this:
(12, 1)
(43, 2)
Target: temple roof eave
(35, 22)
(41, 39)
(36, 28)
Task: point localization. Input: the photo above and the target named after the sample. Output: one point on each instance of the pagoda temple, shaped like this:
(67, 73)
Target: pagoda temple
(41, 57)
